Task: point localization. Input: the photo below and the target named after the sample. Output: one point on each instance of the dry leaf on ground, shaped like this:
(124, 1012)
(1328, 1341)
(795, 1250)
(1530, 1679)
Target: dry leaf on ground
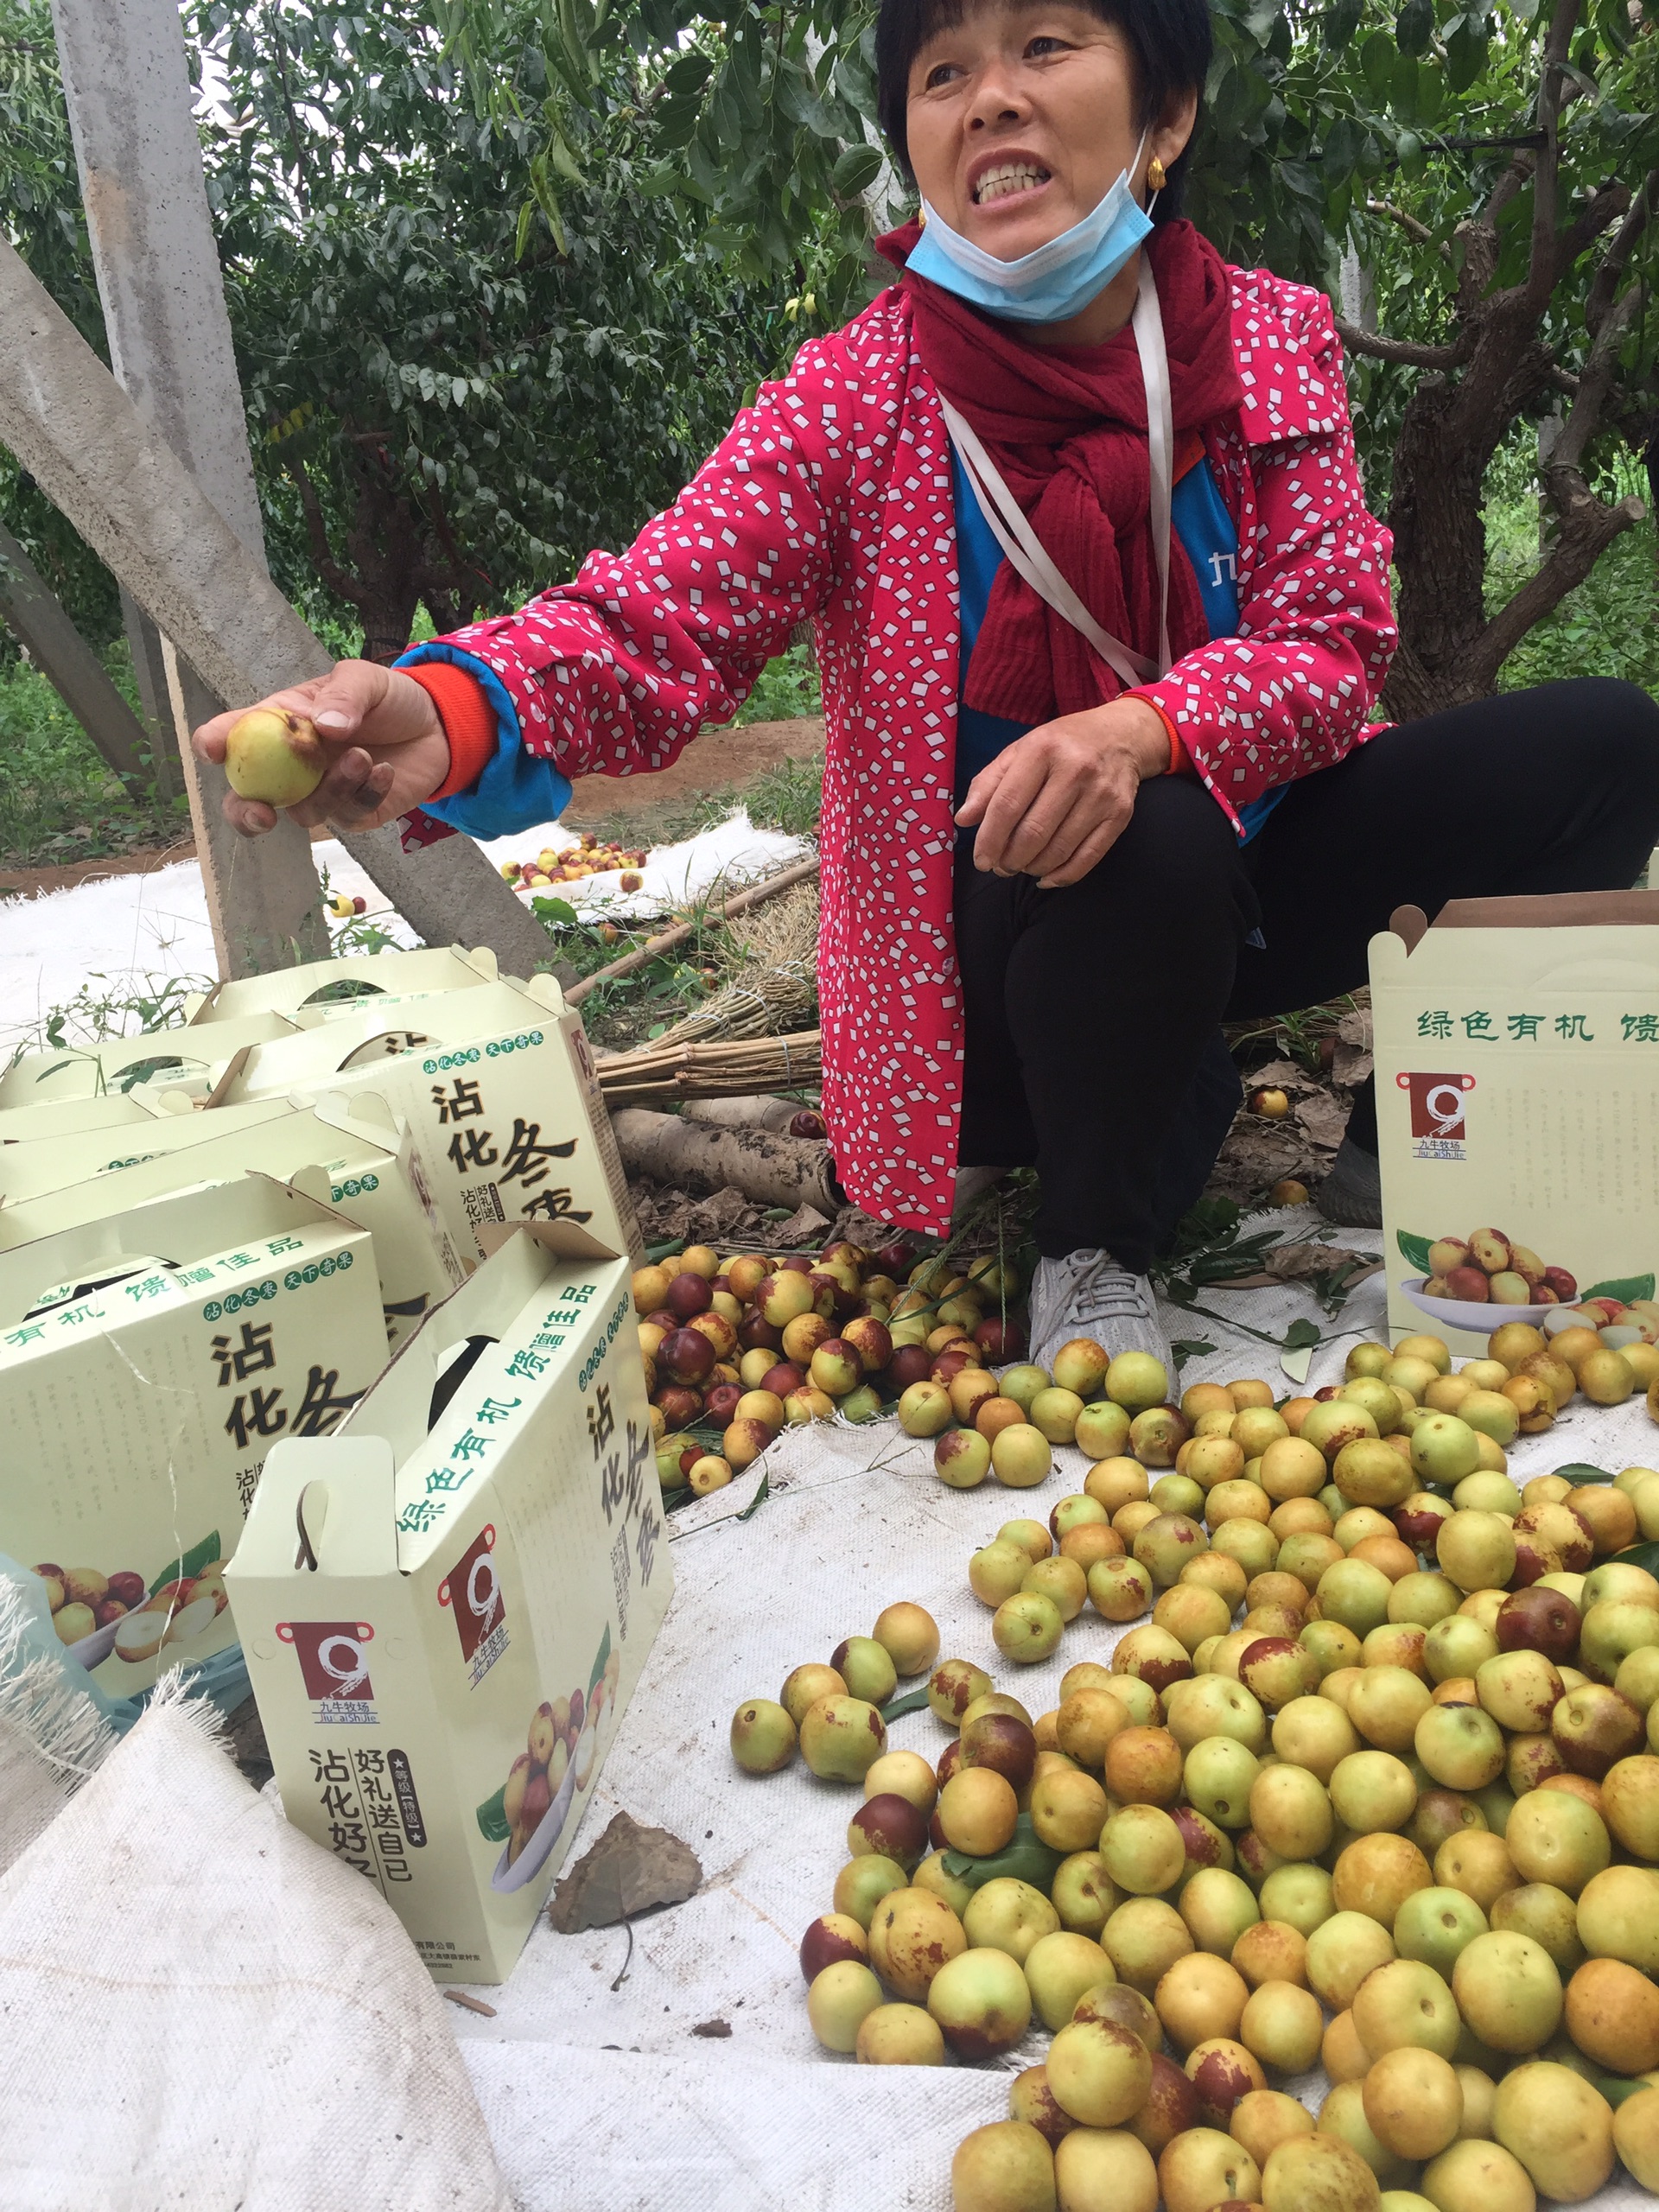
(629, 1870)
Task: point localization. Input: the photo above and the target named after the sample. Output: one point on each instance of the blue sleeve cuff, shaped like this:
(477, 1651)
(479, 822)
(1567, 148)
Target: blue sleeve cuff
(517, 791)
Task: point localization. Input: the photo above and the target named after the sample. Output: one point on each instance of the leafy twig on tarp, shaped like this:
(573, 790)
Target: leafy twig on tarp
(1186, 1348)
(629, 1870)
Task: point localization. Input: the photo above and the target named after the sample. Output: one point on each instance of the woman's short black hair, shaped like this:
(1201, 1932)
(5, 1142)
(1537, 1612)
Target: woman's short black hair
(1171, 40)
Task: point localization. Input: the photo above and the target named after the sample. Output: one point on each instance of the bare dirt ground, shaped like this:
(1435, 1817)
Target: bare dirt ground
(723, 761)
(720, 763)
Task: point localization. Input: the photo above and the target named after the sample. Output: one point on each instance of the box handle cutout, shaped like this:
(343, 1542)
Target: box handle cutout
(454, 1376)
(310, 1515)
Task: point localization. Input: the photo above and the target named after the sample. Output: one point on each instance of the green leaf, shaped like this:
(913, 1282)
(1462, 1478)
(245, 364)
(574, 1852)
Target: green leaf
(1301, 1333)
(1027, 1858)
(1581, 1472)
(189, 1563)
(1186, 1348)
(1625, 1288)
(912, 1701)
(759, 1497)
(1376, 58)
(600, 1657)
(555, 910)
(491, 1817)
(139, 1072)
(1415, 1249)
(1466, 52)
(658, 1253)
(858, 167)
(1616, 2088)
(1415, 26)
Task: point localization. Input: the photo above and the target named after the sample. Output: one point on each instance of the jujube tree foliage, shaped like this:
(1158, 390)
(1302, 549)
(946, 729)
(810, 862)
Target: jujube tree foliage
(453, 402)
(1489, 173)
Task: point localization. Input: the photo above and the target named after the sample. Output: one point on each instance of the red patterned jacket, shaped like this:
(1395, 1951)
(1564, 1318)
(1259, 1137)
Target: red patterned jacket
(831, 501)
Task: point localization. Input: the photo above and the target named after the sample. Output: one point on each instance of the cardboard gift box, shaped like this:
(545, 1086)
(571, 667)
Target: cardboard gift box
(442, 1659)
(1517, 1089)
(318, 990)
(499, 1086)
(118, 1063)
(147, 1361)
(102, 1109)
(353, 1155)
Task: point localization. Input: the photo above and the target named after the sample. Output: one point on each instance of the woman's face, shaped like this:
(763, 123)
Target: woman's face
(1022, 117)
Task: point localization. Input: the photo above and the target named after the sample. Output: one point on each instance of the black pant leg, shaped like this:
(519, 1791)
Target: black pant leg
(1090, 1009)
(1550, 790)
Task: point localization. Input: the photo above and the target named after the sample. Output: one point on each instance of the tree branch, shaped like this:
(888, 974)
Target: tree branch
(1408, 224)
(1563, 474)
(1544, 265)
(1601, 209)
(317, 532)
(1582, 544)
(1401, 351)
(1604, 285)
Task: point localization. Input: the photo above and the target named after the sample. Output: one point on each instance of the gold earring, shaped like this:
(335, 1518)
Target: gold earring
(1157, 176)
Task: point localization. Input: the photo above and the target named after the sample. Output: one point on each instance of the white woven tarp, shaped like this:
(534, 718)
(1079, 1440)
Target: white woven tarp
(204, 2010)
(604, 2099)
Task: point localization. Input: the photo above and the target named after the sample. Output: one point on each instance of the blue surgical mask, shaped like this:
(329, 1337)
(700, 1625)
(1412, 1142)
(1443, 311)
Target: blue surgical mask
(1051, 284)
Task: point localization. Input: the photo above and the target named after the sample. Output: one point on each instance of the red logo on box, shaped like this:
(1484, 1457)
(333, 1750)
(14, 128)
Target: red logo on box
(1437, 1104)
(331, 1659)
(473, 1591)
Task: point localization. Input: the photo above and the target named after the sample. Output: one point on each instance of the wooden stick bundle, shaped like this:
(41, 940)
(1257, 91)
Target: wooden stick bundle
(729, 1069)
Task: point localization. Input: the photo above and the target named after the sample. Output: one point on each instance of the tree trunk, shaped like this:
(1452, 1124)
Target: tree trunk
(1440, 550)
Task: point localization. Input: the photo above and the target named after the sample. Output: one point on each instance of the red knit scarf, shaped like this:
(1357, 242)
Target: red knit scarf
(1067, 426)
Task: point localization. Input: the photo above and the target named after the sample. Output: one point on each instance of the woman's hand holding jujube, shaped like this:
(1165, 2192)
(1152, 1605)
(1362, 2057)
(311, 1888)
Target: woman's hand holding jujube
(1056, 800)
(384, 743)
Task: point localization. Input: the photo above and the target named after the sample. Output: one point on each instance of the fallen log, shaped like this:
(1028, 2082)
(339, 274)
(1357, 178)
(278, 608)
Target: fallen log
(750, 1110)
(772, 1170)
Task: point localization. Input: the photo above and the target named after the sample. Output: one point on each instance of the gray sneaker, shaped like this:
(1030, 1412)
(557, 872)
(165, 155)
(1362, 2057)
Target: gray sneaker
(1352, 1194)
(1087, 1294)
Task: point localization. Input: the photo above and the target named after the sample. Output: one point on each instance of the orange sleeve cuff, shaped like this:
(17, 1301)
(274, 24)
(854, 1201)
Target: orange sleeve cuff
(469, 722)
(1179, 765)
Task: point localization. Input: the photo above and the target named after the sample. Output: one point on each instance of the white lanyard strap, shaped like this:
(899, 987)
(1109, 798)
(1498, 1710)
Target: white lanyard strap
(1021, 542)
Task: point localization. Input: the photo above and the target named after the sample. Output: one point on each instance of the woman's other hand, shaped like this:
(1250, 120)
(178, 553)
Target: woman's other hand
(386, 746)
(1054, 803)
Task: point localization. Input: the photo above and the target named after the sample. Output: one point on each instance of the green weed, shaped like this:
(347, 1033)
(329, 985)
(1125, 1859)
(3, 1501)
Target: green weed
(58, 801)
(787, 688)
(1608, 627)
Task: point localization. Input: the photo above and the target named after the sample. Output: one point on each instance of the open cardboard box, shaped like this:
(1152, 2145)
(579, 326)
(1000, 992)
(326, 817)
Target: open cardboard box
(99, 1110)
(148, 1359)
(118, 1063)
(355, 1155)
(499, 1086)
(320, 990)
(1517, 1089)
(445, 1606)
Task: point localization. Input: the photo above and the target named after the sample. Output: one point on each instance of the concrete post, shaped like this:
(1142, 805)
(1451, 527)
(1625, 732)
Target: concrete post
(127, 89)
(32, 612)
(143, 513)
